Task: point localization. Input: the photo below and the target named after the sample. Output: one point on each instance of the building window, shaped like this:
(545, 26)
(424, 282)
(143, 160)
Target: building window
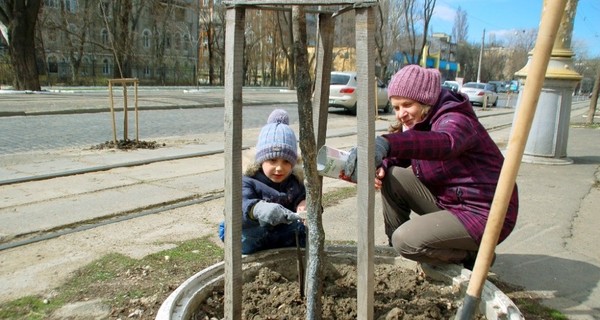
(186, 42)
(51, 3)
(52, 65)
(104, 36)
(71, 6)
(73, 32)
(146, 39)
(177, 41)
(105, 67)
(147, 71)
(168, 42)
(86, 66)
(104, 9)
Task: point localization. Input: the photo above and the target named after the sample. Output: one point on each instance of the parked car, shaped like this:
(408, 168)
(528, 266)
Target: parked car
(342, 92)
(513, 86)
(451, 85)
(479, 92)
(500, 86)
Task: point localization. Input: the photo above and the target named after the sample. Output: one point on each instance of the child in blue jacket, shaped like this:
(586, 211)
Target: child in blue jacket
(272, 190)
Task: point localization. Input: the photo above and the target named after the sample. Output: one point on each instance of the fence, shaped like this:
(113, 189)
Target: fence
(95, 74)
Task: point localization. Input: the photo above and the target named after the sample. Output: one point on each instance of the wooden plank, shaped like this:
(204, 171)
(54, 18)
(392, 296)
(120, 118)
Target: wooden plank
(300, 2)
(365, 62)
(323, 76)
(234, 35)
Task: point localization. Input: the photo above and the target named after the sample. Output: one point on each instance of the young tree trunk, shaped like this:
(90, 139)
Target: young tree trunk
(316, 234)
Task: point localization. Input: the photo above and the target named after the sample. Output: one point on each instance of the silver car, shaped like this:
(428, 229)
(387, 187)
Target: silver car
(479, 93)
(342, 92)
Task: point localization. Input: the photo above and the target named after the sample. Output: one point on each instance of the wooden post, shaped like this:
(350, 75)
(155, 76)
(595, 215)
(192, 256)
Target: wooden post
(137, 127)
(124, 82)
(234, 35)
(112, 112)
(365, 27)
(125, 113)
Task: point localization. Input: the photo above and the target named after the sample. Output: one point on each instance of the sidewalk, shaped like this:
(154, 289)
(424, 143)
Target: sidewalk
(552, 252)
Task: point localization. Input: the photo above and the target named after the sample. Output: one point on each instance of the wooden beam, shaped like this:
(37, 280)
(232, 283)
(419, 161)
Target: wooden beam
(323, 76)
(300, 2)
(234, 41)
(365, 74)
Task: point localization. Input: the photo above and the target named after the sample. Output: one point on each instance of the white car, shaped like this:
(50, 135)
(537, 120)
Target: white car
(342, 92)
(479, 92)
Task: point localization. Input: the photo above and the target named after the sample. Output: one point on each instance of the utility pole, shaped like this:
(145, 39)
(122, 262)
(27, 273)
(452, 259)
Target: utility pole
(480, 58)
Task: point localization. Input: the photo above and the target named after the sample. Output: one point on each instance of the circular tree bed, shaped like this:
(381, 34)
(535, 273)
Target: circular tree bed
(271, 290)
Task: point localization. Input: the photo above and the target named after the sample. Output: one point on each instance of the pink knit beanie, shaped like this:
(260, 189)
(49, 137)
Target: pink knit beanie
(416, 83)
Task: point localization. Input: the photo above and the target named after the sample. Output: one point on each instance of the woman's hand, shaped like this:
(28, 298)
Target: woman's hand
(379, 175)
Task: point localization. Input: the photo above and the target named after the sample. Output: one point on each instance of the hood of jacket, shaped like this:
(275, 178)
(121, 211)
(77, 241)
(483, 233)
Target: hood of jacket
(251, 167)
(449, 101)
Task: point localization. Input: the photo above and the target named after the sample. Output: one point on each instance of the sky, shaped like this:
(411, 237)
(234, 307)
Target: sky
(505, 17)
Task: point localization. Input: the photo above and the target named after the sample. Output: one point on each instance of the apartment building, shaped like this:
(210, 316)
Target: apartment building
(86, 42)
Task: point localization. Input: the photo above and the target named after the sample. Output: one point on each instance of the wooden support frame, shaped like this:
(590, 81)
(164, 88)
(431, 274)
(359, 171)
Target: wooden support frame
(234, 31)
(124, 82)
(235, 24)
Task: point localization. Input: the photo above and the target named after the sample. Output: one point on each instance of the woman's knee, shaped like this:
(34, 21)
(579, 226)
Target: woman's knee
(405, 245)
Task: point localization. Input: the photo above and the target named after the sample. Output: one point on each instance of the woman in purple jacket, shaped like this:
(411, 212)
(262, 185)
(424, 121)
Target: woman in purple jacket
(439, 163)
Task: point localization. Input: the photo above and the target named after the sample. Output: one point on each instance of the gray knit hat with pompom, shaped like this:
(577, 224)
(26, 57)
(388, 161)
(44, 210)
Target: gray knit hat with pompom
(277, 139)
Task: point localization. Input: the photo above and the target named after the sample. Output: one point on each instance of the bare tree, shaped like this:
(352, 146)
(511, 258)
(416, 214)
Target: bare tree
(121, 21)
(411, 36)
(460, 29)
(382, 37)
(72, 28)
(212, 39)
(520, 45)
(285, 33)
(393, 31)
(316, 238)
(409, 15)
(428, 7)
(467, 56)
(18, 20)
(493, 67)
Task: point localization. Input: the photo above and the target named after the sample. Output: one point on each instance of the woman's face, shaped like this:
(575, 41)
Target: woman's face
(408, 112)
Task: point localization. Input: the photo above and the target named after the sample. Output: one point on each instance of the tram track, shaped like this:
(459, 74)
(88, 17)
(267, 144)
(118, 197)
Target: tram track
(494, 123)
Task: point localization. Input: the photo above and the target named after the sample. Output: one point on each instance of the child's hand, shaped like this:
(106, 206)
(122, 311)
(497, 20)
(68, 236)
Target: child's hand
(301, 206)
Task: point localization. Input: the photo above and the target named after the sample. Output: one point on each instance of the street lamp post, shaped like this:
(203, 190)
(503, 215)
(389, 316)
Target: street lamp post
(480, 57)
(549, 131)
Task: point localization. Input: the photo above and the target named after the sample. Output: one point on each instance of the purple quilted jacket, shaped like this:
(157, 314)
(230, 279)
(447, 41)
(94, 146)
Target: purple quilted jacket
(454, 156)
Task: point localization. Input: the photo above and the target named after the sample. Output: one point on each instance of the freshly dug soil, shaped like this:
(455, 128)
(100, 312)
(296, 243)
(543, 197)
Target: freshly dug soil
(400, 293)
(128, 145)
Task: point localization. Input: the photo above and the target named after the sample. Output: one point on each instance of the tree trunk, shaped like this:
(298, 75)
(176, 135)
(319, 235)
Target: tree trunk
(316, 234)
(594, 100)
(22, 44)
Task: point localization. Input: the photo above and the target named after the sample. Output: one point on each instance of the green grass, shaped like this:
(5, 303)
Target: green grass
(334, 197)
(116, 279)
(535, 308)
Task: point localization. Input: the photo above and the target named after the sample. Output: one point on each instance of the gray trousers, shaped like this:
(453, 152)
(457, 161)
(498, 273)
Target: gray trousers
(431, 235)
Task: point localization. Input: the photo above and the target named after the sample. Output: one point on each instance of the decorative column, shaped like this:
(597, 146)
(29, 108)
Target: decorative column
(547, 142)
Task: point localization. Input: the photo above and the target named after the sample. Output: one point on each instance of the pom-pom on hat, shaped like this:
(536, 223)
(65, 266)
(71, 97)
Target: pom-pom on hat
(279, 115)
(277, 139)
(416, 83)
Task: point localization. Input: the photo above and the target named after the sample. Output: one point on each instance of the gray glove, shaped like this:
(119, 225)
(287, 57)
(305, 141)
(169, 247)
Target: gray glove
(382, 148)
(268, 213)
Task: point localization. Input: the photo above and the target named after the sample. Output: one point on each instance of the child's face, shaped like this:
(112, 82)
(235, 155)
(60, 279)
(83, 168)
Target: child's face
(277, 169)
